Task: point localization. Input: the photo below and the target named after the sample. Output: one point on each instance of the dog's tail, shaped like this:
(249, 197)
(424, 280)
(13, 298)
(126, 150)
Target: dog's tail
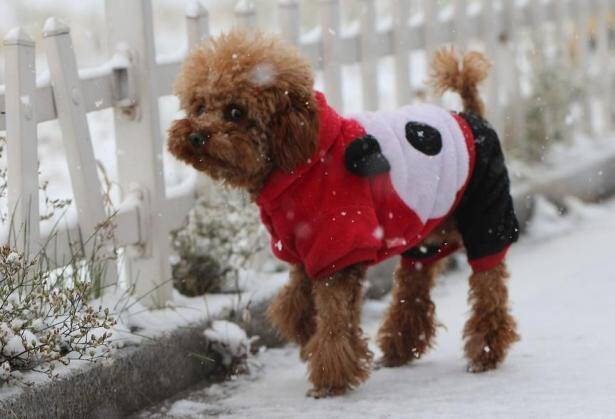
(449, 72)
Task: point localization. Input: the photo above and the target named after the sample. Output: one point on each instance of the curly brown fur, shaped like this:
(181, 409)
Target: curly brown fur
(250, 109)
(337, 353)
(491, 330)
(409, 328)
(448, 73)
(272, 86)
(292, 313)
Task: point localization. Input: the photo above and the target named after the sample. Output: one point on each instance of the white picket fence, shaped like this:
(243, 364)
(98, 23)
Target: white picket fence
(134, 80)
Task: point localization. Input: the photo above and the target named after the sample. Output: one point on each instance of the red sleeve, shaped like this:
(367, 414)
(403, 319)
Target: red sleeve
(339, 239)
(488, 262)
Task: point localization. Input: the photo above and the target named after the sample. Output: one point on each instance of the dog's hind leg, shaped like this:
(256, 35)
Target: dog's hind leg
(338, 355)
(292, 313)
(491, 329)
(409, 327)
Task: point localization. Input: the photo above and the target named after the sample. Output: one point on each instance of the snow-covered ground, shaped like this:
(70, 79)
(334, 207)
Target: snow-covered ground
(563, 294)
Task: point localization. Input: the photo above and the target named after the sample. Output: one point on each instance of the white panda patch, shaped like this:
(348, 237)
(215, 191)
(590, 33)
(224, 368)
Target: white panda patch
(427, 153)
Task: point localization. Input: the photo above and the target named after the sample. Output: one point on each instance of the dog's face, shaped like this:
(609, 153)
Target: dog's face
(250, 109)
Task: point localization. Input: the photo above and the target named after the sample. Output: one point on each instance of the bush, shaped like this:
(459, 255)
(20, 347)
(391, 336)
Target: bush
(218, 241)
(51, 205)
(549, 116)
(45, 319)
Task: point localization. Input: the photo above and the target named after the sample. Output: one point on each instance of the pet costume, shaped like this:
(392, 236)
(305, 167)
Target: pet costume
(380, 182)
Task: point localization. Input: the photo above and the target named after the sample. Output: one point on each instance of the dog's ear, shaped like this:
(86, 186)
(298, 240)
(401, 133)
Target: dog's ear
(294, 129)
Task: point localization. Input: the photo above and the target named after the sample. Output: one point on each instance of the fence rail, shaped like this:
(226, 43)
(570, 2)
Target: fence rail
(134, 78)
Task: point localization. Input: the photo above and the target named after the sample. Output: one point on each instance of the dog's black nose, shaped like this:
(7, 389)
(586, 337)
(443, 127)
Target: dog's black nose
(198, 139)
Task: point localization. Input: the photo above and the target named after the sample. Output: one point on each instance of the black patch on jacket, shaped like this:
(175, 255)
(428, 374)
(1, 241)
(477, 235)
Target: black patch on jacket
(423, 251)
(364, 158)
(485, 216)
(424, 138)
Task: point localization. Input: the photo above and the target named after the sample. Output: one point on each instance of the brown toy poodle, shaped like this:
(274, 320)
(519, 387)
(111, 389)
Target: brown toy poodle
(339, 194)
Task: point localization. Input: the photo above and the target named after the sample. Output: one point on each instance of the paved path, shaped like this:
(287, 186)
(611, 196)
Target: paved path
(563, 293)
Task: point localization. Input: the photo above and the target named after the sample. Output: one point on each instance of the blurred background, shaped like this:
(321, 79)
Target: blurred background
(548, 92)
(545, 67)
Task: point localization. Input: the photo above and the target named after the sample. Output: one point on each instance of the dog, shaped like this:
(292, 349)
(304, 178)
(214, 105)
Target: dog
(339, 194)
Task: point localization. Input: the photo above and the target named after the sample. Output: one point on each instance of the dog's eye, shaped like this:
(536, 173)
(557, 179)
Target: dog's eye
(234, 113)
(200, 110)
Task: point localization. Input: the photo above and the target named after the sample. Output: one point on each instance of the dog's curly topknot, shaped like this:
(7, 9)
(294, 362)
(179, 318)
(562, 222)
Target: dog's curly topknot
(273, 85)
(463, 76)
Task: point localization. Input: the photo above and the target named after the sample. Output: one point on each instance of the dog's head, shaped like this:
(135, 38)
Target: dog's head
(250, 109)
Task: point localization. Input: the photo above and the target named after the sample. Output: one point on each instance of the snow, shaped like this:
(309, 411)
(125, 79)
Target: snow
(117, 61)
(543, 373)
(18, 35)
(244, 6)
(262, 75)
(136, 323)
(228, 339)
(561, 290)
(194, 9)
(183, 408)
(54, 26)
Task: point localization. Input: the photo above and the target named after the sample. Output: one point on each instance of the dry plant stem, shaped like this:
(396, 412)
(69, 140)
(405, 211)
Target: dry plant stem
(491, 329)
(338, 355)
(409, 328)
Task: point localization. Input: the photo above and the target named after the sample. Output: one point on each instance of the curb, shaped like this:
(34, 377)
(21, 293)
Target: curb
(138, 377)
(135, 378)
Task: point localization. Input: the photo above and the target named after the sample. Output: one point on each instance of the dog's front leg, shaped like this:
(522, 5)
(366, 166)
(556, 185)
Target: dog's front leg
(292, 312)
(409, 327)
(338, 355)
(491, 329)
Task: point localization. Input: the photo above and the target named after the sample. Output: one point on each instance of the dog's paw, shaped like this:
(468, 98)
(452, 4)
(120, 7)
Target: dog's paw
(486, 359)
(321, 393)
(388, 362)
(479, 367)
(486, 351)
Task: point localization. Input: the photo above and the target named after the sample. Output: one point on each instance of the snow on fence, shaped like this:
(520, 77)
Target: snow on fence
(134, 79)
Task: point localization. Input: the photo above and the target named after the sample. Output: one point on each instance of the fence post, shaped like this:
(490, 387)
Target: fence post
(611, 69)
(21, 130)
(538, 30)
(245, 14)
(82, 165)
(330, 35)
(369, 57)
(430, 23)
(401, 54)
(561, 17)
(197, 31)
(139, 144)
(460, 24)
(289, 20)
(516, 122)
(539, 38)
(602, 38)
(197, 23)
(582, 59)
(491, 35)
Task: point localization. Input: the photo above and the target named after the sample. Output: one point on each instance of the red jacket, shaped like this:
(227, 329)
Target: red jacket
(325, 217)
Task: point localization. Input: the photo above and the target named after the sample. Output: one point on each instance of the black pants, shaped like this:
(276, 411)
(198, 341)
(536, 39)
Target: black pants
(485, 215)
